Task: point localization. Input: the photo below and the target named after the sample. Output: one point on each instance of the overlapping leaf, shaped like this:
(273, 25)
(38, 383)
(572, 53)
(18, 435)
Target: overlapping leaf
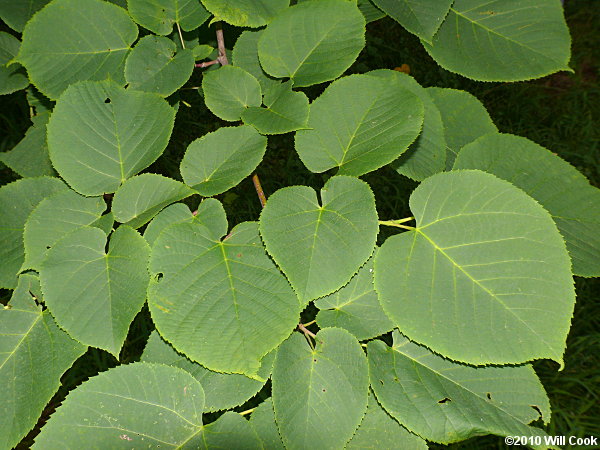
(370, 11)
(246, 13)
(263, 422)
(245, 55)
(16, 14)
(13, 77)
(159, 16)
(229, 431)
(484, 278)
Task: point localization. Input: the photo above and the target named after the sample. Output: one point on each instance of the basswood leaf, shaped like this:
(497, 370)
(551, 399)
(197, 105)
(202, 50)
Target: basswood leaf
(370, 11)
(485, 265)
(61, 45)
(285, 111)
(154, 66)
(53, 218)
(159, 16)
(336, 38)
(34, 353)
(221, 390)
(502, 40)
(464, 117)
(359, 124)
(16, 13)
(320, 246)
(325, 385)
(355, 307)
(13, 77)
(229, 431)
(246, 13)
(262, 420)
(134, 405)
(17, 200)
(229, 90)
(245, 55)
(105, 223)
(572, 202)
(101, 134)
(219, 160)
(140, 198)
(206, 294)
(444, 402)
(93, 295)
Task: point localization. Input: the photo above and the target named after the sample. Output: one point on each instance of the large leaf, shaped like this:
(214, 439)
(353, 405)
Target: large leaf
(572, 202)
(369, 10)
(245, 55)
(206, 295)
(101, 134)
(12, 78)
(421, 17)
(503, 40)
(336, 37)
(93, 295)
(320, 247)
(325, 385)
(132, 406)
(443, 401)
(506, 280)
(220, 160)
(359, 124)
(16, 13)
(34, 353)
(246, 13)
(73, 40)
(140, 198)
(263, 422)
(230, 431)
(221, 390)
(464, 117)
(159, 16)
(17, 200)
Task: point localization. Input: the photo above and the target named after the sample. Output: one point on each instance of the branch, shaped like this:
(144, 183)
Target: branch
(306, 331)
(259, 191)
(222, 58)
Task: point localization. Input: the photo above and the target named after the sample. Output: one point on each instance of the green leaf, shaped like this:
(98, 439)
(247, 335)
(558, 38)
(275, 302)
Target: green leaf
(246, 13)
(263, 422)
(221, 390)
(420, 17)
(444, 402)
(285, 111)
(427, 155)
(245, 55)
(16, 13)
(34, 353)
(502, 40)
(101, 134)
(134, 406)
(159, 16)
(336, 37)
(29, 158)
(319, 248)
(140, 198)
(154, 66)
(572, 202)
(105, 223)
(464, 117)
(95, 296)
(325, 385)
(355, 307)
(229, 90)
(223, 304)
(17, 200)
(55, 217)
(62, 45)
(370, 11)
(230, 431)
(219, 160)
(507, 280)
(378, 431)
(359, 124)
(13, 78)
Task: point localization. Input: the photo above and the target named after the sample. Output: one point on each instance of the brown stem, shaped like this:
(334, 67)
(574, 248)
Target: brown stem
(207, 63)
(259, 190)
(306, 331)
(222, 58)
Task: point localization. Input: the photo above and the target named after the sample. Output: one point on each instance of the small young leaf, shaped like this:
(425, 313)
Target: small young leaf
(246, 13)
(159, 16)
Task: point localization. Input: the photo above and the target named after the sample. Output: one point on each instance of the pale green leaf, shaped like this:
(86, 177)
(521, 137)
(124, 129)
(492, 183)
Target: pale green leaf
(16, 13)
(206, 296)
(74, 40)
(245, 55)
(34, 353)
(262, 420)
(359, 124)
(500, 293)
(229, 90)
(246, 13)
(17, 200)
(101, 134)
(138, 405)
(159, 16)
(503, 40)
(154, 66)
(219, 160)
(38, 103)
(443, 401)
(105, 223)
(140, 198)
(370, 11)
(230, 431)
(285, 111)
(336, 37)
(464, 118)
(13, 78)
(572, 202)
(95, 296)
(320, 246)
(327, 385)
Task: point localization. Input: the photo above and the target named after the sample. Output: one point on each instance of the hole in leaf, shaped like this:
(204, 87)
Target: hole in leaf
(47, 247)
(444, 400)
(323, 390)
(107, 100)
(538, 410)
(314, 360)
(489, 396)
(158, 277)
(396, 379)
(381, 381)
